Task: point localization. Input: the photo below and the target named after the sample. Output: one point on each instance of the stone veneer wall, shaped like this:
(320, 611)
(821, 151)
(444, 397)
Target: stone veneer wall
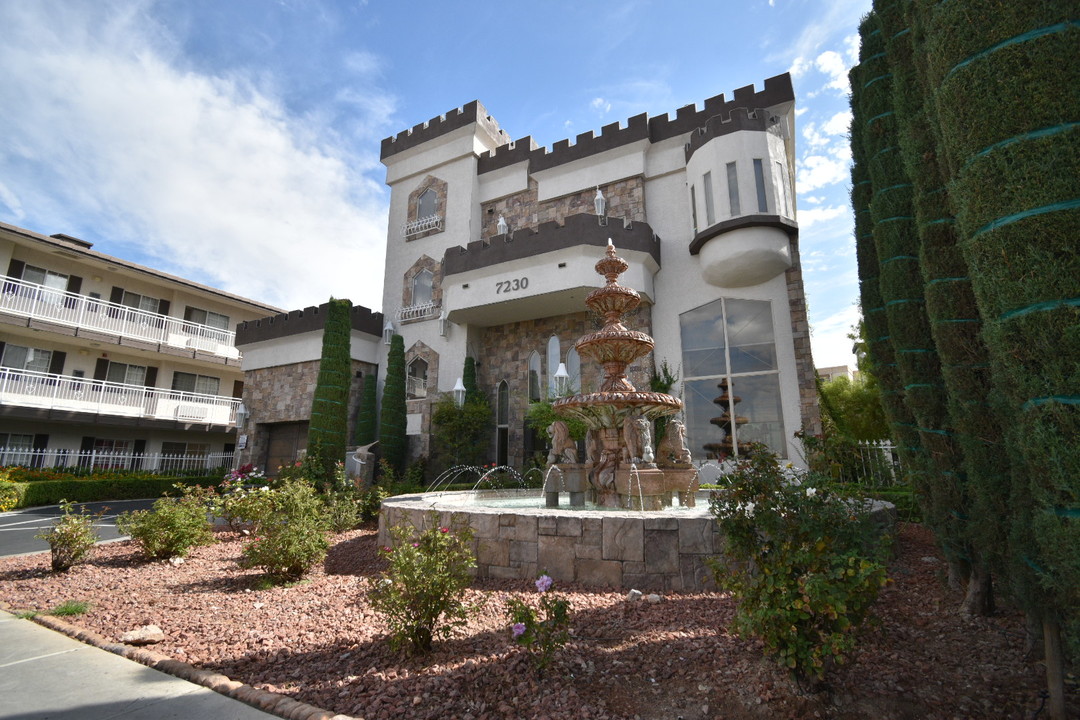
(647, 551)
(284, 393)
(804, 360)
(424, 263)
(440, 188)
(506, 357)
(420, 445)
(625, 200)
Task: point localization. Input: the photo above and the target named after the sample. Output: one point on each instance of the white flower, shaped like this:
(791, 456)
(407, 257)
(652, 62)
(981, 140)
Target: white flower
(811, 492)
(748, 509)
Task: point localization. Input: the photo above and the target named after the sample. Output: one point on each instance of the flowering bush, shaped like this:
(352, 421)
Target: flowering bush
(804, 564)
(421, 595)
(9, 494)
(238, 503)
(289, 534)
(174, 525)
(72, 537)
(544, 636)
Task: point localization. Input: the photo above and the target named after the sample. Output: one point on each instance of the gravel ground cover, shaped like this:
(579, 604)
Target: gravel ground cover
(321, 643)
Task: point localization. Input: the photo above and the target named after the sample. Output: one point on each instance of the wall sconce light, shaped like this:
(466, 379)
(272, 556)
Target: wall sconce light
(242, 416)
(502, 227)
(562, 380)
(387, 332)
(600, 205)
(459, 393)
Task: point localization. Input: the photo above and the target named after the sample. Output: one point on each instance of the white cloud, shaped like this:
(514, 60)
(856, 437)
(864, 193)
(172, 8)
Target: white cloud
(829, 341)
(838, 124)
(821, 170)
(832, 64)
(9, 198)
(851, 48)
(811, 216)
(204, 176)
(600, 105)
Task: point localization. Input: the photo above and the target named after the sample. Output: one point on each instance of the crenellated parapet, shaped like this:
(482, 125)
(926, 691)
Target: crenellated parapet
(758, 119)
(472, 112)
(582, 229)
(717, 113)
(301, 321)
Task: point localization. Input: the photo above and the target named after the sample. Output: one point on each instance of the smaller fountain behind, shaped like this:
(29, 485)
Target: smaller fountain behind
(728, 423)
(621, 467)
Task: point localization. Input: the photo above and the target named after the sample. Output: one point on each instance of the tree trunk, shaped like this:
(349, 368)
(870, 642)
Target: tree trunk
(979, 599)
(1055, 676)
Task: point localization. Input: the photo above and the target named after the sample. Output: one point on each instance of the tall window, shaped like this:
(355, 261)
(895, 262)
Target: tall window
(554, 357)
(706, 187)
(425, 206)
(780, 181)
(573, 367)
(26, 358)
(759, 183)
(421, 287)
(693, 209)
(535, 374)
(190, 382)
(733, 189)
(502, 424)
(732, 342)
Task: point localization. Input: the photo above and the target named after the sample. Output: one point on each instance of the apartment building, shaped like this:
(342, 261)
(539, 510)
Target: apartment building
(491, 247)
(106, 362)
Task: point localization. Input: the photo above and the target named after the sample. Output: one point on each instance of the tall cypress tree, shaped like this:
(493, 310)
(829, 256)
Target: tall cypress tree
(327, 431)
(392, 438)
(367, 422)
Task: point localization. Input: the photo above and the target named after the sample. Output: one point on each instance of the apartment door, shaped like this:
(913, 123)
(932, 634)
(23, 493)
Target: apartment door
(284, 443)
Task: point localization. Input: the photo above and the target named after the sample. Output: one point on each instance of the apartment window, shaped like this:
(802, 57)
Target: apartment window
(421, 287)
(193, 383)
(26, 358)
(126, 374)
(426, 204)
(18, 449)
(416, 382)
(573, 367)
(780, 181)
(502, 424)
(48, 278)
(759, 183)
(183, 456)
(733, 189)
(534, 377)
(706, 187)
(140, 302)
(206, 317)
(729, 351)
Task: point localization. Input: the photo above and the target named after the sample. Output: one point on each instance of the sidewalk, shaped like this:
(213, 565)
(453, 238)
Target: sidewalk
(47, 675)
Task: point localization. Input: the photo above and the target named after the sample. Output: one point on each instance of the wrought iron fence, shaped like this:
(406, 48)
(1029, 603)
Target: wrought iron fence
(158, 463)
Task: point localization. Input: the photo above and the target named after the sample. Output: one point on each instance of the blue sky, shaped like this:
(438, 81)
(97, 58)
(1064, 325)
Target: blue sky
(236, 142)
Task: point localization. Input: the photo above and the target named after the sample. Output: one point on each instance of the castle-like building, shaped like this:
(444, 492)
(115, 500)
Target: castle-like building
(492, 242)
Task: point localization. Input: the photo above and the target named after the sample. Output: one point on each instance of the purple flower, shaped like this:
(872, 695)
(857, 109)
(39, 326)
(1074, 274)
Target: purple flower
(543, 583)
(519, 629)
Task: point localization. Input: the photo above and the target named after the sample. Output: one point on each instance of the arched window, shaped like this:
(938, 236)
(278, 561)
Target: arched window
(425, 206)
(421, 287)
(534, 377)
(416, 382)
(502, 424)
(573, 368)
(554, 357)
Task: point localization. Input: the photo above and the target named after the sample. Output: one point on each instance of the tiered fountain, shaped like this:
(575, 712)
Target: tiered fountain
(622, 468)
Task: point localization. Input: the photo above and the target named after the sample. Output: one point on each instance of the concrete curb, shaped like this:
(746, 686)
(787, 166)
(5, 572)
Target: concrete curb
(280, 705)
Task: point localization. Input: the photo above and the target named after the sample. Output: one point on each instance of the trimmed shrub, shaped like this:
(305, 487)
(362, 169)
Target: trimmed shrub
(327, 433)
(71, 538)
(289, 534)
(173, 526)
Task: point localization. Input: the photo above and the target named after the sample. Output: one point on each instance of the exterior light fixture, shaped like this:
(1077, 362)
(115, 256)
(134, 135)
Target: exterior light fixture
(242, 416)
(444, 324)
(387, 332)
(503, 228)
(459, 393)
(562, 380)
(600, 205)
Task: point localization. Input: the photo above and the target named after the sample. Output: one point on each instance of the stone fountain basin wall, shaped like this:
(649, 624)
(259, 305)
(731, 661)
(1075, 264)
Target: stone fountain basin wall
(660, 551)
(652, 550)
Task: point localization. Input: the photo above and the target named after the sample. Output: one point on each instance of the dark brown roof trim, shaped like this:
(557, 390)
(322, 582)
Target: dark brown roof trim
(740, 119)
(433, 128)
(582, 229)
(302, 321)
(743, 221)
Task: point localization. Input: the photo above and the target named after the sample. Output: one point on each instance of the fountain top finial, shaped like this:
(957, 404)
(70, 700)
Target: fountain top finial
(611, 266)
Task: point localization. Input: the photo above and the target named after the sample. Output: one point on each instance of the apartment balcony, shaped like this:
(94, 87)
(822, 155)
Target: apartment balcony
(431, 222)
(529, 274)
(92, 317)
(48, 391)
(420, 311)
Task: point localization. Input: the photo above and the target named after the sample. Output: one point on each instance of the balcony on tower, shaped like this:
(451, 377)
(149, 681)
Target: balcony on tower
(528, 274)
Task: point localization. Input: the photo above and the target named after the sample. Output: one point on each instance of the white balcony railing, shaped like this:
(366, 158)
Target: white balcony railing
(422, 311)
(431, 222)
(27, 299)
(26, 388)
(415, 387)
(159, 463)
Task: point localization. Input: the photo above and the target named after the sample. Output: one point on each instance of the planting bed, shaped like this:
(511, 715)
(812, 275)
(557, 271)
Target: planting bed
(321, 643)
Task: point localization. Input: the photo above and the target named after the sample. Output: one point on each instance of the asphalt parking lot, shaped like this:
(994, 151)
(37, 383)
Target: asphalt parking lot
(18, 527)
